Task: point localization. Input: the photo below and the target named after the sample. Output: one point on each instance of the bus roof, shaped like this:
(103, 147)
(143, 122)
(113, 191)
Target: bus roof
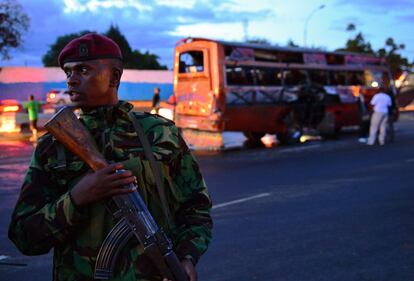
(271, 47)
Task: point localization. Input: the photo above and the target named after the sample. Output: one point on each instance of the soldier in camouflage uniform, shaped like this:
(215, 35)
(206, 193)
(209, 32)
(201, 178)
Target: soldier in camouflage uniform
(62, 202)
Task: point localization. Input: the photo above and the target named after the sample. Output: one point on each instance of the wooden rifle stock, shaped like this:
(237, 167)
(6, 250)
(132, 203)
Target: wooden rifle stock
(67, 129)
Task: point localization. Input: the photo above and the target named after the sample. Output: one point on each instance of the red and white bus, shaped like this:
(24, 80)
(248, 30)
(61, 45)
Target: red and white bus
(258, 89)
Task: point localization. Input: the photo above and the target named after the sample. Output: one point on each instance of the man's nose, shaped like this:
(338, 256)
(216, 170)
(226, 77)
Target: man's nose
(72, 79)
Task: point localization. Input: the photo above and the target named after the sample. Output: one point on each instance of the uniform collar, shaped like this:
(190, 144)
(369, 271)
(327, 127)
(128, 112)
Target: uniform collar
(102, 116)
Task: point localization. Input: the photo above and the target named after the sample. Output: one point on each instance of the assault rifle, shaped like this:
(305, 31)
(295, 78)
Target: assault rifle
(134, 219)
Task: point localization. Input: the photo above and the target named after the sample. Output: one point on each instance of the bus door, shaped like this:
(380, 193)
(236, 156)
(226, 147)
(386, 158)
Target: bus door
(346, 86)
(193, 86)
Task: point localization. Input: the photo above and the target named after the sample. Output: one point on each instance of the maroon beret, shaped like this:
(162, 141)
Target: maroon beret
(90, 46)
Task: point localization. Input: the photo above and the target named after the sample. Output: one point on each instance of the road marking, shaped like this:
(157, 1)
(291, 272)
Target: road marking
(2, 262)
(297, 149)
(240, 200)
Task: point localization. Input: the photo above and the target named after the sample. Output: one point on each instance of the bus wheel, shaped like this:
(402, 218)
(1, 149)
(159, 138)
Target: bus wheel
(293, 131)
(254, 137)
(291, 136)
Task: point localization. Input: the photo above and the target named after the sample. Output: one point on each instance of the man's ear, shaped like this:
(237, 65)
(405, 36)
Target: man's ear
(115, 77)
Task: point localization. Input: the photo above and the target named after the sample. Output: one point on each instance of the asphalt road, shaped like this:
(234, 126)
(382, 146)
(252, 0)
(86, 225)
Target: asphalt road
(334, 210)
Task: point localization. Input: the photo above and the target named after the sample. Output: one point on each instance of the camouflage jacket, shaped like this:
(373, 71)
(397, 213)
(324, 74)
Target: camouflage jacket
(45, 217)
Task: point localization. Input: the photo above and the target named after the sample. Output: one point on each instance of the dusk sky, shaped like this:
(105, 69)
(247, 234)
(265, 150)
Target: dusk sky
(156, 25)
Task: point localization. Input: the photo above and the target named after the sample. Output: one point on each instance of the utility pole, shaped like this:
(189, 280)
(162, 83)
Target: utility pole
(245, 29)
(305, 29)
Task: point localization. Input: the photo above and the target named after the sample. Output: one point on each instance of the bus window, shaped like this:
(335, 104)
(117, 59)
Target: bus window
(317, 76)
(335, 59)
(377, 78)
(337, 78)
(191, 62)
(293, 77)
(266, 76)
(386, 80)
(356, 78)
(238, 75)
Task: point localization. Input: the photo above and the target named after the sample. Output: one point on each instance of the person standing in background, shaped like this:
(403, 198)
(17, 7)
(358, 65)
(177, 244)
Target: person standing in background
(32, 107)
(156, 101)
(364, 121)
(381, 103)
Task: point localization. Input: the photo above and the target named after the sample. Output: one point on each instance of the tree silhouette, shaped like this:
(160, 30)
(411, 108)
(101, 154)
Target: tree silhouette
(396, 62)
(123, 44)
(132, 59)
(13, 22)
(390, 52)
(351, 27)
(358, 45)
(291, 43)
(50, 58)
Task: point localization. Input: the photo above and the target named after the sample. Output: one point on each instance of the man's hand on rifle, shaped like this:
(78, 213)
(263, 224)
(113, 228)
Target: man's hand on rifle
(189, 269)
(102, 184)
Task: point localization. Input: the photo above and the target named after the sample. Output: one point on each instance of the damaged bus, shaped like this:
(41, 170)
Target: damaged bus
(258, 89)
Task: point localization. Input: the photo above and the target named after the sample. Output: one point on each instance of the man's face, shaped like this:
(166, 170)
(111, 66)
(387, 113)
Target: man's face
(89, 83)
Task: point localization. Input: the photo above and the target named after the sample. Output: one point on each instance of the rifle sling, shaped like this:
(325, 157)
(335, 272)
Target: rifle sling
(154, 167)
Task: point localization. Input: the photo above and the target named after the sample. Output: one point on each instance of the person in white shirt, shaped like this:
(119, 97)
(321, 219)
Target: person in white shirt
(381, 103)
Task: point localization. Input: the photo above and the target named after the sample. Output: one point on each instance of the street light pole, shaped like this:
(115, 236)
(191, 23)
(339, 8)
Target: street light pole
(245, 29)
(305, 30)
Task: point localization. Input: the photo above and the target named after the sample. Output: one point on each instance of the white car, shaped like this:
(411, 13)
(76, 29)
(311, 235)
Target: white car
(58, 97)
